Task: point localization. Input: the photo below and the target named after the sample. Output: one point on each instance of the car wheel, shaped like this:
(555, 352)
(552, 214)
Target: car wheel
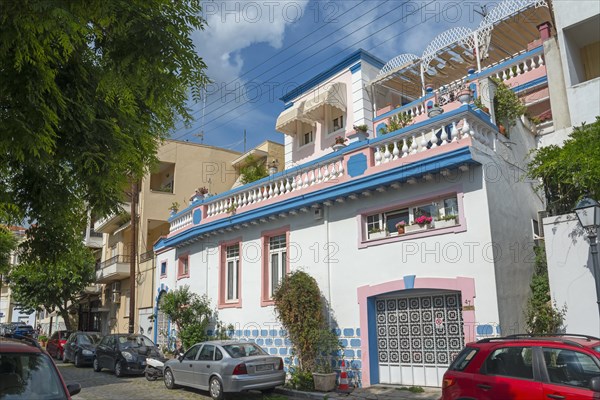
(118, 369)
(96, 365)
(169, 379)
(215, 388)
(77, 360)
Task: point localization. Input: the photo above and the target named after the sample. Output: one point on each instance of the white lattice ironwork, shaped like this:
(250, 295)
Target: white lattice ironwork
(397, 63)
(501, 12)
(461, 35)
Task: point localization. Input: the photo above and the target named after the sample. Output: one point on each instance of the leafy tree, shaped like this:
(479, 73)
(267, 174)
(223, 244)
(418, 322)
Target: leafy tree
(54, 285)
(190, 313)
(8, 243)
(253, 170)
(301, 310)
(571, 171)
(542, 316)
(89, 90)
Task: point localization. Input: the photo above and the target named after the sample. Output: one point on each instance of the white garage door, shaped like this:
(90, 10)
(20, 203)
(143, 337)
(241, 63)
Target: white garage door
(418, 337)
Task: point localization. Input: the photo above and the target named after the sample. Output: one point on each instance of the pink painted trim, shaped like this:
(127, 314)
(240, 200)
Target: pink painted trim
(166, 261)
(264, 240)
(362, 237)
(466, 286)
(223, 303)
(180, 265)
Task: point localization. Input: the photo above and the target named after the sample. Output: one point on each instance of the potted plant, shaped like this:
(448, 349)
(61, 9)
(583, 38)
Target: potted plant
(174, 208)
(339, 143)
(361, 128)
(199, 193)
(446, 221)
(420, 223)
(481, 106)
(507, 107)
(324, 377)
(43, 339)
(377, 233)
(400, 227)
(435, 110)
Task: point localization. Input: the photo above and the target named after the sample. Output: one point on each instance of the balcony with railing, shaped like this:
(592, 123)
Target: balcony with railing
(111, 223)
(113, 269)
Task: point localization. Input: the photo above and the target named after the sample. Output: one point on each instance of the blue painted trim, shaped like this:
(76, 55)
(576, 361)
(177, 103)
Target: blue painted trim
(402, 173)
(197, 216)
(372, 326)
(536, 82)
(505, 64)
(357, 165)
(355, 68)
(360, 54)
(409, 281)
(288, 105)
(404, 107)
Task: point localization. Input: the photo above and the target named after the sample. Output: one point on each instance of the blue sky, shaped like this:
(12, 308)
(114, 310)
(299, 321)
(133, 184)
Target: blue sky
(257, 50)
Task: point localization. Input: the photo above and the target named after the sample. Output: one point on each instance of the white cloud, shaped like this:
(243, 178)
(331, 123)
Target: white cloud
(233, 26)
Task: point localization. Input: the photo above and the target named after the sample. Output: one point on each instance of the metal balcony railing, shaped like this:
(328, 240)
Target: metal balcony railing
(149, 255)
(118, 259)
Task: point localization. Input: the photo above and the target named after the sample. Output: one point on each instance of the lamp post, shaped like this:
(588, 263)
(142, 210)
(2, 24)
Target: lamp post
(273, 167)
(588, 214)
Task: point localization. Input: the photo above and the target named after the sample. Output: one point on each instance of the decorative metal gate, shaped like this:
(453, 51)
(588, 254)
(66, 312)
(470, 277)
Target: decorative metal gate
(418, 337)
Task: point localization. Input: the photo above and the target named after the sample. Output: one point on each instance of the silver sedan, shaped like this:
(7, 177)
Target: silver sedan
(225, 366)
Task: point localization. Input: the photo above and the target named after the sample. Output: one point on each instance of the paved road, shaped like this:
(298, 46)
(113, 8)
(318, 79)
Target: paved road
(105, 386)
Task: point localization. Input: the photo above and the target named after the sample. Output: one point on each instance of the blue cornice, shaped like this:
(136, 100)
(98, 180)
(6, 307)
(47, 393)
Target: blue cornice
(359, 55)
(402, 173)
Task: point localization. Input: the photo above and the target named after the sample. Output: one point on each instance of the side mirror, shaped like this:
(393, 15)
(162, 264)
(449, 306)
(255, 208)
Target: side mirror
(180, 357)
(595, 384)
(73, 388)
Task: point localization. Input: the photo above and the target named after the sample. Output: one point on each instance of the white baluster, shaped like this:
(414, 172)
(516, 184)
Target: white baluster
(378, 156)
(326, 174)
(341, 168)
(504, 76)
(332, 172)
(433, 139)
(454, 132)
(525, 67)
(306, 179)
(288, 186)
(540, 60)
(404, 148)
(423, 142)
(294, 182)
(387, 155)
(395, 151)
(312, 177)
(465, 130)
(319, 176)
(282, 186)
(414, 145)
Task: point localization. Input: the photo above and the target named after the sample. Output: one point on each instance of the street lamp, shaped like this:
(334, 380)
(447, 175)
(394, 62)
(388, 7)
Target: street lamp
(273, 167)
(588, 214)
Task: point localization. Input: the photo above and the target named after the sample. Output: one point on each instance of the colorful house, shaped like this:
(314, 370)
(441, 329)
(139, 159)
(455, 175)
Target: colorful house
(420, 238)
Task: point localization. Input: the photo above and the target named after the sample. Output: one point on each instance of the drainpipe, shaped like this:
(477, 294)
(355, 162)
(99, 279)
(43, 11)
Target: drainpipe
(328, 260)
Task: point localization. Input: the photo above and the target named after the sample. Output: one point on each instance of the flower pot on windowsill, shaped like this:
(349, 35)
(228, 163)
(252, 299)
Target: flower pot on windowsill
(465, 96)
(416, 228)
(445, 224)
(435, 111)
(324, 382)
(338, 146)
(377, 235)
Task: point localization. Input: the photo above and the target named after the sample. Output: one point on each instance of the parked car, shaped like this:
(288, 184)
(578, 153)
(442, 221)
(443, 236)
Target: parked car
(23, 330)
(27, 372)
(81, 347)
(225, 366)
(124, 353)
(56, 343)
(564, 366)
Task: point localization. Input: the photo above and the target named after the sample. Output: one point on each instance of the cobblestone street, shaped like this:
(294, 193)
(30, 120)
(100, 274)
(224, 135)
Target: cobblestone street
(106, 386)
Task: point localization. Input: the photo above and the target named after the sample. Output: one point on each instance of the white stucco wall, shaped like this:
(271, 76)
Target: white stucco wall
(570, 12)
(570, 273)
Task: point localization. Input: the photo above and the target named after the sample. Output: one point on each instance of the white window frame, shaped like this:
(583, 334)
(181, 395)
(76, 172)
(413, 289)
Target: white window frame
(232, 259)
(278, 251)
(334, 114)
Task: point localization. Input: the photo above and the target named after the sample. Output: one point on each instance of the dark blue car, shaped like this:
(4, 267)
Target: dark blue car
(81, 348)
(23, 330)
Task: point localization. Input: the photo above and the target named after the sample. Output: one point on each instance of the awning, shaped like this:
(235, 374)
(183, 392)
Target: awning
(334, 96)
(286, 120)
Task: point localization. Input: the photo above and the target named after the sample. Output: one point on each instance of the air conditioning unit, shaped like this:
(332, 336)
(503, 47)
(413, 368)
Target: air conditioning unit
(116, 287)
(318, 213)
(116, 298)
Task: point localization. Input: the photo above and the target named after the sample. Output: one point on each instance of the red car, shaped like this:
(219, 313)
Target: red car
(524, 367)
(27, 372)
(56, 344)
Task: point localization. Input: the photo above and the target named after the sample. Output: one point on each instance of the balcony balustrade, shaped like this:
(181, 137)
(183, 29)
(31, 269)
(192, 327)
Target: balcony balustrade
(115, 268)
(149, 255)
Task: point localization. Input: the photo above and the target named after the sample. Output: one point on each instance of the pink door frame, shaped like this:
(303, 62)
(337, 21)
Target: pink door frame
(366, 302)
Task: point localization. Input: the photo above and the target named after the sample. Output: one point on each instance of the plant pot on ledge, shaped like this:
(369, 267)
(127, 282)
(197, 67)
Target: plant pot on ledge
(338, 146)
(445, 223)
(324, 382)
(416, 228)
(377, 235)
(465, 96)
(435, 111)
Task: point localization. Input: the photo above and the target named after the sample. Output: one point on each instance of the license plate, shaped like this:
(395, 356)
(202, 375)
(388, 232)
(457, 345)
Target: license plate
(264, 367)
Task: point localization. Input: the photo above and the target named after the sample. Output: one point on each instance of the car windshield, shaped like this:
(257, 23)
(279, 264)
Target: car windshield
(89, 339)
(237, 350)
(127, 342)
(29, 376)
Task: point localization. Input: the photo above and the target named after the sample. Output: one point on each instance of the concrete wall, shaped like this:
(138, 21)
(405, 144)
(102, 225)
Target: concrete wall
(512, 204)
(570, 272)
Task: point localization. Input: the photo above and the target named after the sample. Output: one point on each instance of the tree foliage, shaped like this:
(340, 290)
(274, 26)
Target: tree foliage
(571, 171)
(253, 170)
(542, 316)
(53, 285)
(8, 243)
(301, 310)
(190, 313)
(89, 90)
